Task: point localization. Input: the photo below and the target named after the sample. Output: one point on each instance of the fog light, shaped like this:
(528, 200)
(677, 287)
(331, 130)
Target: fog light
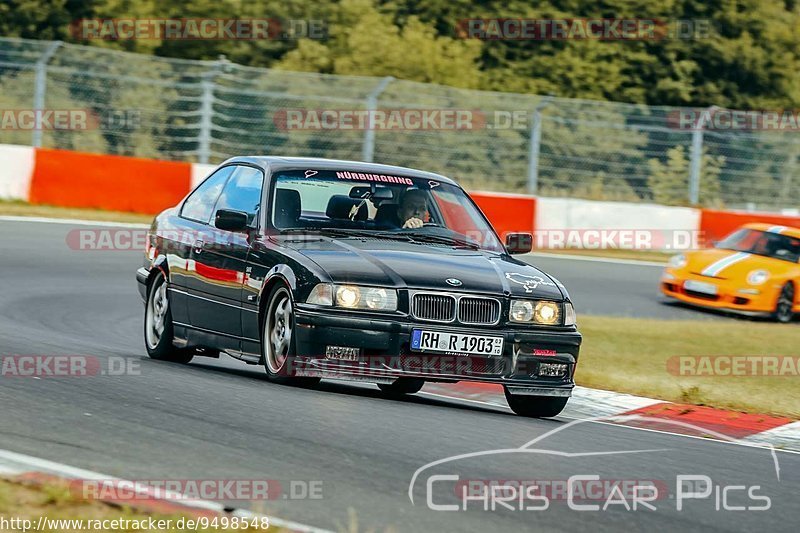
(347, 353)
(552, 370)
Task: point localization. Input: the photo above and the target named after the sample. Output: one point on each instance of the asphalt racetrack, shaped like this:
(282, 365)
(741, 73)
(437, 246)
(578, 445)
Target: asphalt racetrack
(221, 419)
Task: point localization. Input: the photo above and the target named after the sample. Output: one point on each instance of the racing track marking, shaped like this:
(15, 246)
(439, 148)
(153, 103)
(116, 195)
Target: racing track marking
(72, 221)
(20, 464)
(634, 262)
(787, 435)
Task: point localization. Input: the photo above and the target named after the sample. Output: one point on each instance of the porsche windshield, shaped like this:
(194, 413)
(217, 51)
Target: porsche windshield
(379, 205)
(764, 243)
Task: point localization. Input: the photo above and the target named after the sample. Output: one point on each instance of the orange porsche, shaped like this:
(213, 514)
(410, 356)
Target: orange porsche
(753, 271)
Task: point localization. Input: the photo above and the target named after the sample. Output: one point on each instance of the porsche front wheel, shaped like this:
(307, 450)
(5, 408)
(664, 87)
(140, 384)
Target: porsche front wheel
(783, 308)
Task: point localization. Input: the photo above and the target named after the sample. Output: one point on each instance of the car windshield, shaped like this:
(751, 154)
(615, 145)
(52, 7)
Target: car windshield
(381, 206)
(766, 243)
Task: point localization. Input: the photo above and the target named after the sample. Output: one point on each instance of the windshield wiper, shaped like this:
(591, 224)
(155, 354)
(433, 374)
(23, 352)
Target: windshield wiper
(426, 237)
(344, 232)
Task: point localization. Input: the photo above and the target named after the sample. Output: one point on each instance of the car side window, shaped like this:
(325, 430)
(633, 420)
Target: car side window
(200, 204)
(243, 193)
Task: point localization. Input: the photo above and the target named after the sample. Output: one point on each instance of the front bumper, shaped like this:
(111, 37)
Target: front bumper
(141, 281)
(385, 354)
(731, 296)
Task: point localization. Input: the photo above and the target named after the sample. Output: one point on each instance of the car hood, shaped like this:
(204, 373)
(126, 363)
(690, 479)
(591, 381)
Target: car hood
(730, 264)
(402, 264)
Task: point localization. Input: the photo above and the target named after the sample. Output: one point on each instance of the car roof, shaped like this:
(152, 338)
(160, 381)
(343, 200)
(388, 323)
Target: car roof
(319, 163)
(774, 228)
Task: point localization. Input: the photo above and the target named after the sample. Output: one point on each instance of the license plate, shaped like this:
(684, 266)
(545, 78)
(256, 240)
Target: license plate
(700, 286)
(423, 340)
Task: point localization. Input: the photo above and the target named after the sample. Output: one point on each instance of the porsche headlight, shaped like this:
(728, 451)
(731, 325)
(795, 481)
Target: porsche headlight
(757, 277)
(677, 261)
(537, 312)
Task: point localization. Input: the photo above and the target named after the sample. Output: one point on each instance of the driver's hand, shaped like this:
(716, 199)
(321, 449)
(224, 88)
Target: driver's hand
(413, 223)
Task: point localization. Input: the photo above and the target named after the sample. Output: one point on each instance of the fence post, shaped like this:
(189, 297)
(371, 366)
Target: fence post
(368, 148)
(40, 87)
(695, 163)
(534, 145)
(207, 111)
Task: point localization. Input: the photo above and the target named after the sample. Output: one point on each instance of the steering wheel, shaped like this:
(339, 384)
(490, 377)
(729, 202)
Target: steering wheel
(430, 225)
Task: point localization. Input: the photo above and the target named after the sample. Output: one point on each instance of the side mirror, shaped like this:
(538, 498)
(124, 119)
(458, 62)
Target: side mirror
(519, 243)
(229, 220)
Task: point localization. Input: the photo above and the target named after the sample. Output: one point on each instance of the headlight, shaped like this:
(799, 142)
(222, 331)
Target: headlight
(521, 311)
(541, 312)
(354, 297)
(677, 261)
(348, 296)
(757, 277)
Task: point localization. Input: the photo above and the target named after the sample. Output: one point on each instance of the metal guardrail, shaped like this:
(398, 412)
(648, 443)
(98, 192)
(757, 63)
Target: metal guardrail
(207, 111)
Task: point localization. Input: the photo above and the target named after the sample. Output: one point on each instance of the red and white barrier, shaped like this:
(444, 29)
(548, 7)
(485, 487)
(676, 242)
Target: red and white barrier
(16, 169)
(122, 183)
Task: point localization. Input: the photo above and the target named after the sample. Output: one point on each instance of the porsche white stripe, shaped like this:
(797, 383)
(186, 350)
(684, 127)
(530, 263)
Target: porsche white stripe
(715, 268)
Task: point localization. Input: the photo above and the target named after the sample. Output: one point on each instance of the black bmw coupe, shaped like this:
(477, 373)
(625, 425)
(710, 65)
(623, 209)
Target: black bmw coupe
(317, 268)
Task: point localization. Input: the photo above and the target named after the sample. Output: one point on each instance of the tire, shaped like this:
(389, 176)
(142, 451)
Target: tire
(278, 341)
(402, 386)
(536, 406)
(158, 330)
(783, 307)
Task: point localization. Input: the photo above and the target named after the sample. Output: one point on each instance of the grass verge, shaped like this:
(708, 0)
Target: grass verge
(613, 253)
(17, 208)
(55, 501)
(631, 355)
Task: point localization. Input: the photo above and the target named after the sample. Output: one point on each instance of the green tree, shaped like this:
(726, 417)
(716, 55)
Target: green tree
(669, 180)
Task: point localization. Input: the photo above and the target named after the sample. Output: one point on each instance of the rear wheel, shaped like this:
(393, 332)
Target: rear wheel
(402, 386)
(536, 406)
(278, 341)
(158, 331)
(783, 307)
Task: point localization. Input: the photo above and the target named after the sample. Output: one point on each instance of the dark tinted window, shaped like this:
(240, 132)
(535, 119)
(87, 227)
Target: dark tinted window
(243, 193)
(200, 203)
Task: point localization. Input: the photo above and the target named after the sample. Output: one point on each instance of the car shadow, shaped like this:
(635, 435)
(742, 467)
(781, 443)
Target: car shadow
(339, 387)
(718, 312)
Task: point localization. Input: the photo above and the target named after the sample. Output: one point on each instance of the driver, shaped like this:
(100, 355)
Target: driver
(413, 209)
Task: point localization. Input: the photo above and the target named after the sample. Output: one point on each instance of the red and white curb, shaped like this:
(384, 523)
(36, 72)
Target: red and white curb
(752, 429)
(19, 465)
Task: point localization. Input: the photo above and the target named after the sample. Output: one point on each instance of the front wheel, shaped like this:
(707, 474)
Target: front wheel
(536, 406)
(783, 308)
(158, 331)
(402, 386)
(278, 341)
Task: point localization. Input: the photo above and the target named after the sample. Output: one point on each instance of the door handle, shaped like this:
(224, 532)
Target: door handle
(198, 246)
